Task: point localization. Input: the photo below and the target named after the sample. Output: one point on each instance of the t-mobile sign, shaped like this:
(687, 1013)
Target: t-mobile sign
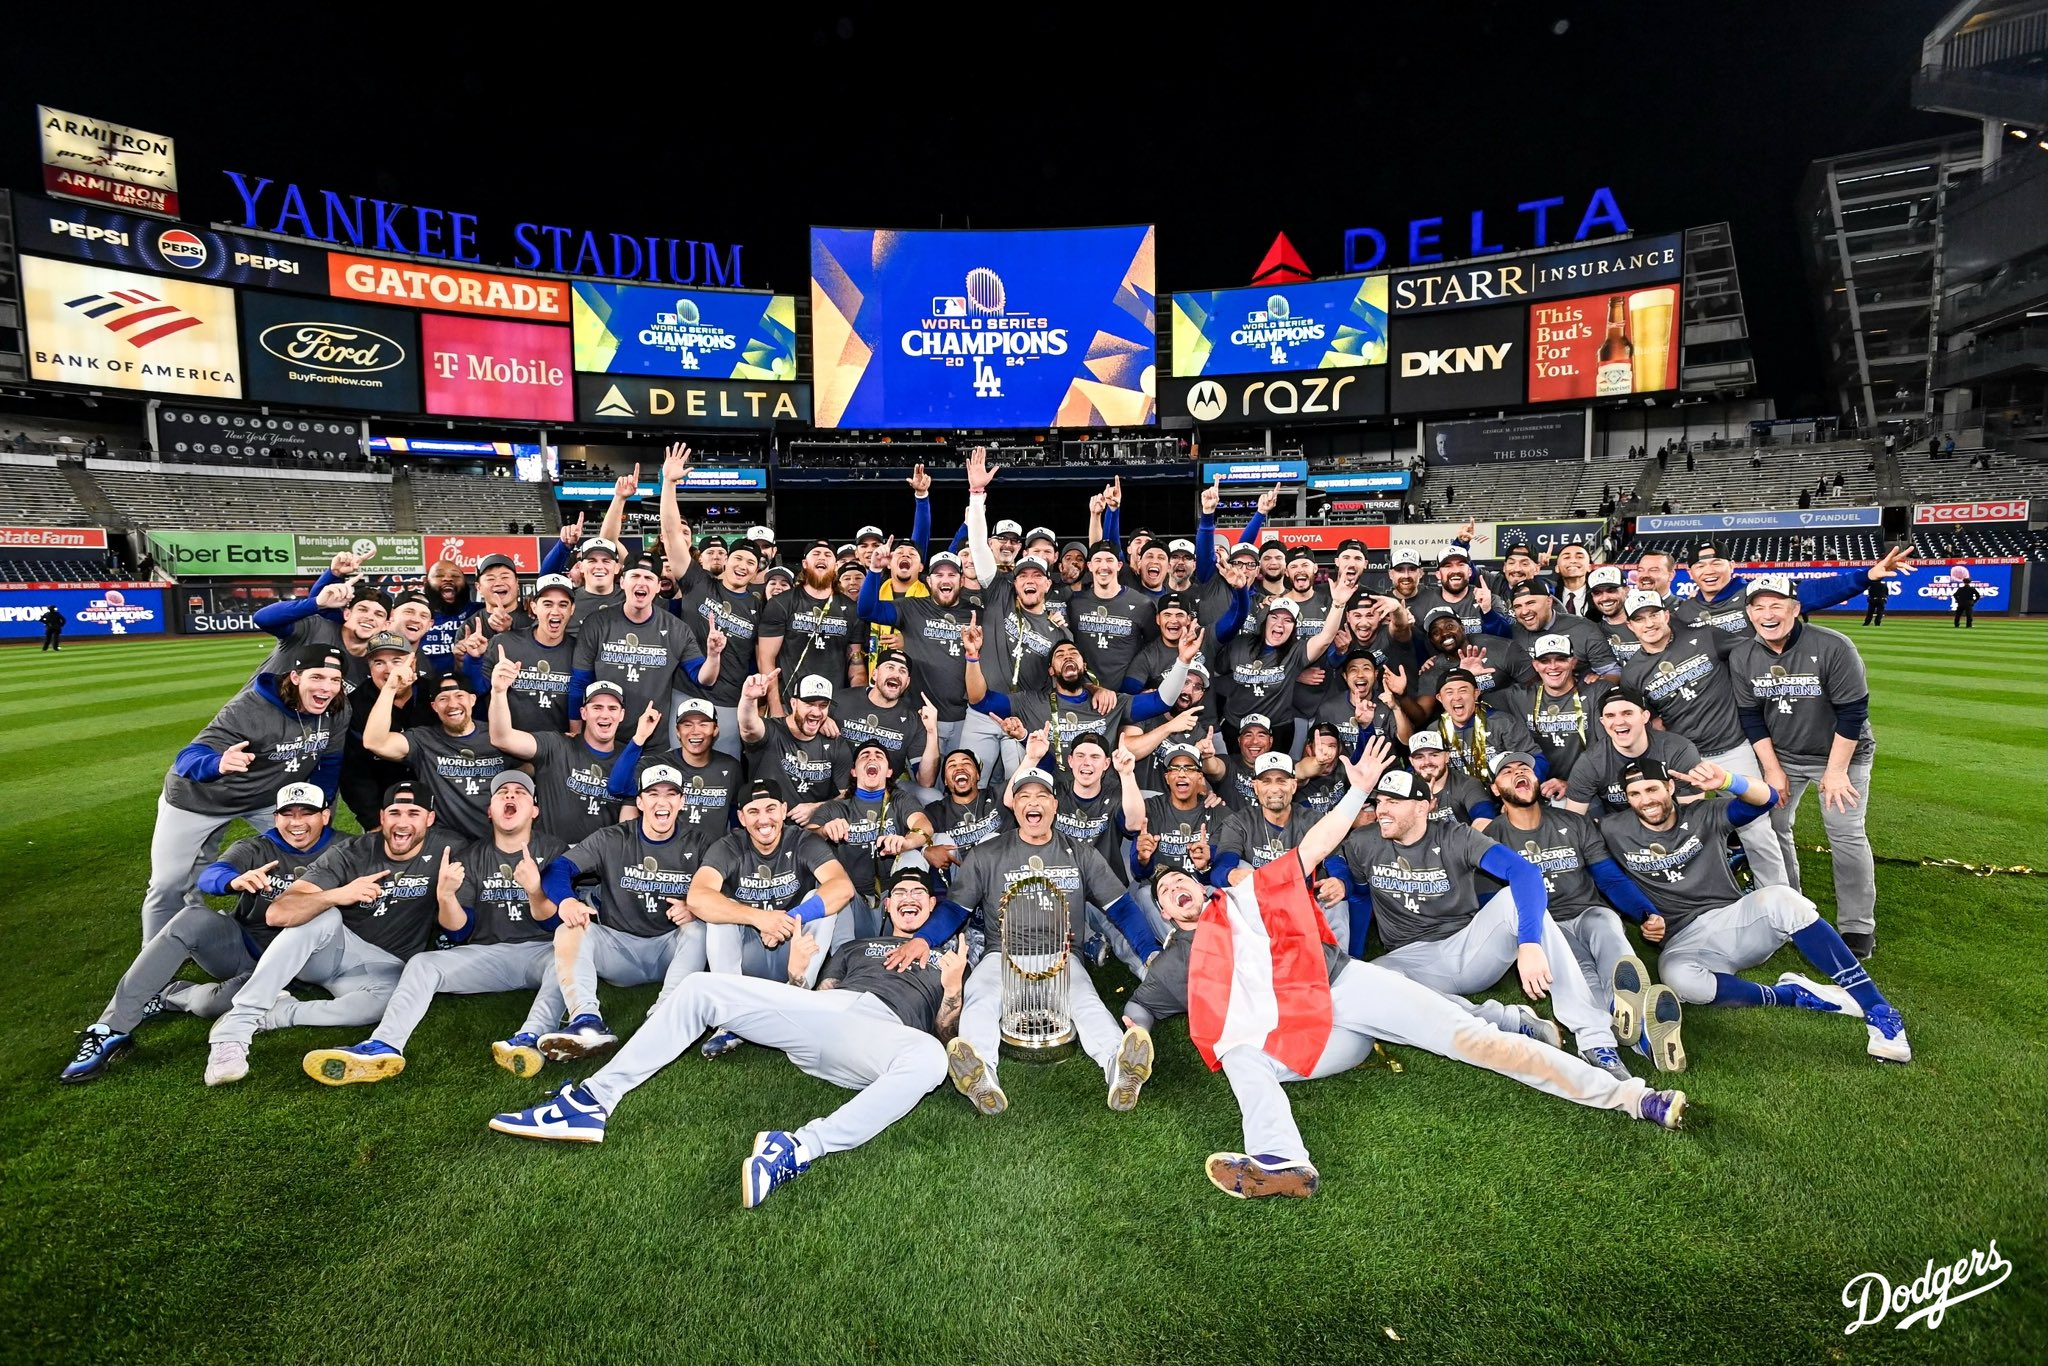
(479, 367)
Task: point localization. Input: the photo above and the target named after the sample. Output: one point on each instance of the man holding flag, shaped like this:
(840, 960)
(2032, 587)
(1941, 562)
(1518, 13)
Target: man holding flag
(1270, 999)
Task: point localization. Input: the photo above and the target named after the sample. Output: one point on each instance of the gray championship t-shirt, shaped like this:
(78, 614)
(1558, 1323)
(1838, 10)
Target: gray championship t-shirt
(1257, 841)
(815, 634)
(1596, 777)
(572, 779)
(1076, 868)
(1684, 870)
(539, 697)
(458, 771)
(812, 770)
(1564, 849)
(1799, 690)
(896, 726)
(1689, 688)
(1110, 631)
(246, 856)
(499, 910)
(401, 919)
(1164, 992)
(1421, 891)
(1178, 829)
(642, 657)
(635, 876)
(938, 666)
(914, 994)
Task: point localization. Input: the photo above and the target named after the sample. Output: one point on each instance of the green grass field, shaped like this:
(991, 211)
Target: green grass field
(1462, 1218)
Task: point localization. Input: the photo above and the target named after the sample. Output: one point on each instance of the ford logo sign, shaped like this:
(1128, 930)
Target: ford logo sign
(326, 346)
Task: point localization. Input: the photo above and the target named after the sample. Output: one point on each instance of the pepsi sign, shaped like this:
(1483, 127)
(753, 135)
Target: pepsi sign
(137, 242)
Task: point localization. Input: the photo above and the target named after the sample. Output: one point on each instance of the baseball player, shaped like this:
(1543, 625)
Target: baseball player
(1686, 681)
(1110, 621)
(1420, 879)
(410, 615)
(1585, 884)
(809, 763)
(929, 628)
(710, 776)
(284, 728)
(454, 609)
(1180, 828)
(1536, 615)
(810, 632)
(639, 930)
(1558, 711)
(1253, 837)
(641, 647)
(1473, 730)
(966, 815)
(574, 773)
(453, 759)
(301, 622)
(1257, 673)
(1804, 701)
(1610, 593)
(732, 604)
(1034, 849)
(362, 908)
(546, 656)
(869, 1028)
(1722, 602)
(488, 899)
(1708, 929)
(1494, 661)
(1367, 1003)
(1626, 735)
(254, 870)
(1456, 797)
(869, 828)
(886, 712)
(1467, 595)
(1361, 710)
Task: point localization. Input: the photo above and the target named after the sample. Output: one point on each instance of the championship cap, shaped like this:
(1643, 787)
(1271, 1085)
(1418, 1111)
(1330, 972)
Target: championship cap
(1301, 552)
(759, 790)
(1425, 739)
(1623, 693)
(1170, 601)
(511, 777)
(453, 682)
(888, 756)
(1006, 527)
(1401, 785)
(1041, 533)
(1451, 552)
(760, 533)
(605, 687)
(813, 688)
(1032, 562)
(1707, 550)
(740, 543)
(1641, 600)
(597, 545)
(1457, 676)
(1528, 588)
(845, 552)
(1405, 558)
(1517, 548)
(909, 873)
(1242, 551)
(1328, 728)
(369, 592)
(407, 793)
(1287, 605)
(1636, 770)
(1552, 645)
(969, 755)
(638, 560)
(554, 583)
(490, 562)
(1087, 738)
(1358, 652)
(1438, 613)
(1606, 576)
(868, 533)
(1036, 776)
(1102, 547)
(410, 595)
(1196, 668)
(822, 544)
(946, 559)
(1255, 720)
(694, 706)
(1777, 584)
(1273, 761)
(779, 571)
(308, 795)
(385, 641)
(654, 775)
(1168, 753)
(1351, 543)
(1180, 547)
(315, 657)
(886, 656)
(1502, 761)
(1080, 547)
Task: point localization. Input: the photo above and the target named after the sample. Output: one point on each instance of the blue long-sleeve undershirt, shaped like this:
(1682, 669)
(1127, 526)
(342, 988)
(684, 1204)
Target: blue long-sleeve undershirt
(921, 526)
(279, 617)
(1112, 529)
(871, 606)
(1205, 547)
(943, 923)
(1525, 884)
(558, 880)
(1250, 534)
(1126, 915)
(1620, 890)
(1234, 615)
(556, 561)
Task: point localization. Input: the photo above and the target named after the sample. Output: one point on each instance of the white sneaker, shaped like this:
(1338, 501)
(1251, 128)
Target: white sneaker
(227, 1061)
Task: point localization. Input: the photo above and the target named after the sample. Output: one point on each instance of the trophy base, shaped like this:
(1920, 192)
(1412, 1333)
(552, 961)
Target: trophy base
(1036, 1053)
(1038, 1037)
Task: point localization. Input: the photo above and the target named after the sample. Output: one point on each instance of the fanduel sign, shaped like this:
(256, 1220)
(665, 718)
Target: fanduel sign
(1760, 521)
(1426, 241)
(415, 230)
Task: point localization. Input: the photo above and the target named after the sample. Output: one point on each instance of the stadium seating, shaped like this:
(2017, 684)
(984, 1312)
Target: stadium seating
(1980, 542)
(37, 495)
(1726, 480)
(28, 569)
(459, 503)
(1518, 490)
(1774, 547)
(1954, 480)
(270, 501)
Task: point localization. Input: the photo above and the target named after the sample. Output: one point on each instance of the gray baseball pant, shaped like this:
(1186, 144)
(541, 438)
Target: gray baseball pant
(1736, 936)
(737, 950)
(981, 1014)
(465, 970)
(1476, 957)
(624, 960)
(848, 1038)
(1759, 839)
(1598, 942)
(325, 952)
(195, 934)
(1855, 869)
(183, 843)
(1368, 1002)
(983, 734)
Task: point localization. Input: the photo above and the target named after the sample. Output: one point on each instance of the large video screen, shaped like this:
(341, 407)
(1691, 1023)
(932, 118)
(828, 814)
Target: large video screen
(983, 329)
(1604, 345)
(637, 330)
(116, 330)
(1286, 327)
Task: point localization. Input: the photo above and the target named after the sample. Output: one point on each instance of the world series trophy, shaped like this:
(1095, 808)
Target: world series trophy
(1037, 942)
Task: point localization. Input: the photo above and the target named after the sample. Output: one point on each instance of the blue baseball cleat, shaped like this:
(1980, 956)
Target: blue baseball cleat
(1244, 1176)
(98, 1046)
(585, 1035)
(772, 1163)
(572, 1115)
(520, 1055)
(1665, 1109)
(1808, 994)
(1530, 1025)
(721, 1043)
(369, 1060)
(1887, 1030)
(1609, 1061)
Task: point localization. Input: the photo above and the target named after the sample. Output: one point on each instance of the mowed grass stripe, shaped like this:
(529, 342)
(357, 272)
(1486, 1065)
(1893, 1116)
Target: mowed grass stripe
(57, 726)
(139, 666)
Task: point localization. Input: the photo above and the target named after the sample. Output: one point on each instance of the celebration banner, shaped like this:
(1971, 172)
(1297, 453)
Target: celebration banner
(1321, 326)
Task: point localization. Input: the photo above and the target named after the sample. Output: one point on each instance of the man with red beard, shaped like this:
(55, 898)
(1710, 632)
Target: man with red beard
(281, 729)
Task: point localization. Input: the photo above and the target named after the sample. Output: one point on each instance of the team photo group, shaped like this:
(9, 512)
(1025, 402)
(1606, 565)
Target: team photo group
(892, 807)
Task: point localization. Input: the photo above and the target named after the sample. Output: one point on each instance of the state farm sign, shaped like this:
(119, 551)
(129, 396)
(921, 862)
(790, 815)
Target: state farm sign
(52, 538)
(1941, 514)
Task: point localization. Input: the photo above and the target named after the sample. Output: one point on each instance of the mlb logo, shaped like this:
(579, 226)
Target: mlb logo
(949, 306)
(1258, 315)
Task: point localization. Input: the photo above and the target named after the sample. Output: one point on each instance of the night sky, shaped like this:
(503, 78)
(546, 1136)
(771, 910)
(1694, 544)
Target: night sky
(751, 127)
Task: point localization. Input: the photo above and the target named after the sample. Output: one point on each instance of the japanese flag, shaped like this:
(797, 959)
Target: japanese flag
(1256, 975)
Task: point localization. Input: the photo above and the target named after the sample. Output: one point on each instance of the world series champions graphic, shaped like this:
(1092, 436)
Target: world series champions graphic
(1323, 326)
(984, 329)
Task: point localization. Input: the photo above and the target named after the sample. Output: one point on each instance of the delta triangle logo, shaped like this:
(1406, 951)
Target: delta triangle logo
(1283, 265)
(614, 404)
